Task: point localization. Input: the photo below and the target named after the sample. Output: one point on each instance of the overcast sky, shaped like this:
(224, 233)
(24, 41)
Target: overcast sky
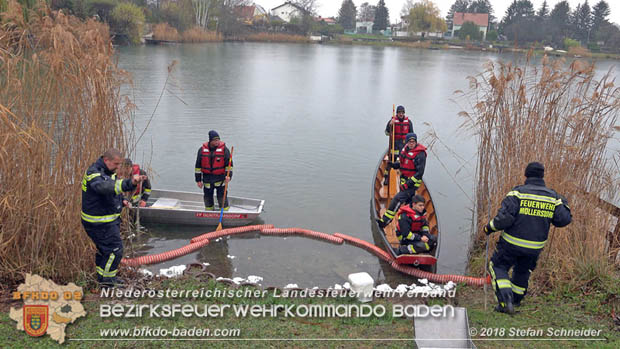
(329, 8)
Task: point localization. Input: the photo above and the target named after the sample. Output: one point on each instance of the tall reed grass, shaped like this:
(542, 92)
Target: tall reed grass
(164, 31)
(197, 34)
(562, 116)
(277, 37)
(60, 109)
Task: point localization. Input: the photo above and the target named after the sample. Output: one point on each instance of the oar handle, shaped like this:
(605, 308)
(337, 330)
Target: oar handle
(227, 174)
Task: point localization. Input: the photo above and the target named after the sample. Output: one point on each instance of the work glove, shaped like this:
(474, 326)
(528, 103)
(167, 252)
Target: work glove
(487, 229)
(394, 165)
(404, 186)
(564, 200)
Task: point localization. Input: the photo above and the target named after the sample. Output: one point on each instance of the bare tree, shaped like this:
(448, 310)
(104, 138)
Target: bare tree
(308, 5)
(202, 8)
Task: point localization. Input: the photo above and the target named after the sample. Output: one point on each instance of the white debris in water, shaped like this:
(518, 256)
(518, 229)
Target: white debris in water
(291, 286)
(254, 279)
(450, 285)
(218, 239)
(238, 280)
(346, 285)
(337, 287)
(402, 288)
(315, 288)
(384, 288)
(206, 264)
(145, 272)
(223, 279)
(423, 281)
(229, 256)
(173, 271)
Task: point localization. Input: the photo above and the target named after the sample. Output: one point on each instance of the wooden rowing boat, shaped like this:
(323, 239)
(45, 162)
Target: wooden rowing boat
(379, 203)
(187, 208)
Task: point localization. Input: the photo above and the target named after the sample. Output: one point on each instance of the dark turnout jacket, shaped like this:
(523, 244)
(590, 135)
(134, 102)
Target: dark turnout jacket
(102, 194)
(527, 212)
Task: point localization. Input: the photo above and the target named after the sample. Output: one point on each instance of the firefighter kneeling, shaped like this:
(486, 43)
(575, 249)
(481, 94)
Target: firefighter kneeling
(412, 231)
(524, 234)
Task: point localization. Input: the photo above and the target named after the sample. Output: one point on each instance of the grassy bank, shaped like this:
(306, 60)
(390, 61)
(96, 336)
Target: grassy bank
(562, 309)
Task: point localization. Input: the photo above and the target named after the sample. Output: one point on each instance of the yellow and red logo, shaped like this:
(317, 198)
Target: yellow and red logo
(36, 319)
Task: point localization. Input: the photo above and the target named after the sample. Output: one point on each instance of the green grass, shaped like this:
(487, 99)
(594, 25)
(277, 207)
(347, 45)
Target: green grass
(565, 308)
(560, 309)
(250, 327)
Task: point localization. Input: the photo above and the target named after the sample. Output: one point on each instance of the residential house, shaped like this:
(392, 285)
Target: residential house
(251, 13)
(327, 20)
(363, 27)
(288, 11)
(479, 19)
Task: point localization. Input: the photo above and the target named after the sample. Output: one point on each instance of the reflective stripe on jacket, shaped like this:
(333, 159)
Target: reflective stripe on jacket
(102, 199)
(527, 212)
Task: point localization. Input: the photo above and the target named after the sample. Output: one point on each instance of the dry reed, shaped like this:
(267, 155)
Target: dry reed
(60, 108)
(163, 31)
(197, 34)
(277, 37)
(579, 51)
(561, 116)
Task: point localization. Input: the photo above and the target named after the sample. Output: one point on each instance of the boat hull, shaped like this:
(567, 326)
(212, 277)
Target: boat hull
(379, 203)
(187, 208)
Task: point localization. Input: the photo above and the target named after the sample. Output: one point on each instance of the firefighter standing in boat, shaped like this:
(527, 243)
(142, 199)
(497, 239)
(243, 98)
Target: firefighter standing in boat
(525, 216)
(102, 203)
(401, 126)
(412, 164)
(210, 173)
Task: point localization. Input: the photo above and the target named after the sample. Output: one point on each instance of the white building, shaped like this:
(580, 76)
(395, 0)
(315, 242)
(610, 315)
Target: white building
(287, 11)
(363, 27)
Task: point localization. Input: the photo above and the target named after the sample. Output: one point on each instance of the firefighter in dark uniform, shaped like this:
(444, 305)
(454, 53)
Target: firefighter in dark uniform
(210, 173)
(525, 216)
(411, 165)
(140, 196)
(402, 126)
(412, 231)
(102, 202)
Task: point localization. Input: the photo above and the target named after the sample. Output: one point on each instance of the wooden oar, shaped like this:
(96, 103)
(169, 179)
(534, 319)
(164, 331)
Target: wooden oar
(392, 182)
(219, 226)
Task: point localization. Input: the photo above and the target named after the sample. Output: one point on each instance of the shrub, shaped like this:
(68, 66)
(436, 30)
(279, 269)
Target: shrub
(127, 19)
(470, 31)
(568, 43)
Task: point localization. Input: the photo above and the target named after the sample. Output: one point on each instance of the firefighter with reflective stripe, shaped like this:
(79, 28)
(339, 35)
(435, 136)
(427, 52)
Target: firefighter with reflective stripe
(525, 216)
(102, 202)
(412, 230)
(140, 196)
(210, 173)
(412, 164)
(402, 126)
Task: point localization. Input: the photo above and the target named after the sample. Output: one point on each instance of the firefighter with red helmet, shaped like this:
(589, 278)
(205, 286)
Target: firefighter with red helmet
(140, 196)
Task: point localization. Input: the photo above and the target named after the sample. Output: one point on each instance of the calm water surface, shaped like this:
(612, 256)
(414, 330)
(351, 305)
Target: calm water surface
(307, 125)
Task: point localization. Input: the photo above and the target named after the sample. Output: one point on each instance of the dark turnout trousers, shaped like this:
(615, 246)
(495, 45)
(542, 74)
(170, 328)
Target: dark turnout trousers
(505, 257)
(107, 239)
(209, 188)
